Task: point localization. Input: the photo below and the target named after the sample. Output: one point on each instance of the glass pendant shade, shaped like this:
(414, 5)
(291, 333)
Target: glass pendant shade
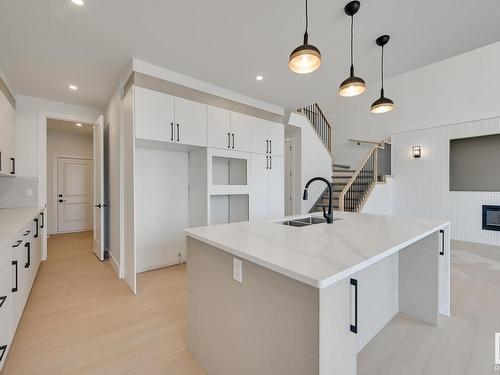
(304, 59)
(352, 86)
(382, 104)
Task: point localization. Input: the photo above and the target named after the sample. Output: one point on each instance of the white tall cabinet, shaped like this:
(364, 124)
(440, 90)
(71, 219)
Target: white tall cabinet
(186, 164)
(7, 134)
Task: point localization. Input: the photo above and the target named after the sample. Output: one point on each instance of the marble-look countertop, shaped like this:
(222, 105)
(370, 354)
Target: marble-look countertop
(12, 220)
(320, 254)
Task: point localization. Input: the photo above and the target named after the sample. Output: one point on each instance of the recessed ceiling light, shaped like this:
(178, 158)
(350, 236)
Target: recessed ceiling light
(78, 124)
(73, 87)
(259, 78)
(78, 2)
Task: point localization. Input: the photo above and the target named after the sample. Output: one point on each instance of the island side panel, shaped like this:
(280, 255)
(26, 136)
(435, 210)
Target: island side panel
(444, 273)
(419, 279)
(337, 342)
(268, 324)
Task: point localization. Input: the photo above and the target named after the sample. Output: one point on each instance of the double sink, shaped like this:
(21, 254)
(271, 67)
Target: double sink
(303, 222)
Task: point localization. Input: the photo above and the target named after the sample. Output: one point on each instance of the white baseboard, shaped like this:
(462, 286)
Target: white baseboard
(114, 264)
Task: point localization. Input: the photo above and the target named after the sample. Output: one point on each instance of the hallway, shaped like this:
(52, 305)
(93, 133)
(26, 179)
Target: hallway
(80, 319)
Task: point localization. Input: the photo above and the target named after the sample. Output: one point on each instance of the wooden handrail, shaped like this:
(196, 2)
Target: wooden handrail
(356, 174)
(380, 144)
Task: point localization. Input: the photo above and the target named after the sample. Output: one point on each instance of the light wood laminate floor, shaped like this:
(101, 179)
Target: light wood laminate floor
(80, 319)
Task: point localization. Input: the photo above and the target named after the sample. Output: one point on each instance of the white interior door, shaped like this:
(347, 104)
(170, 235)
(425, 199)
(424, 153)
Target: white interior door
(74, 186)
(98, 243)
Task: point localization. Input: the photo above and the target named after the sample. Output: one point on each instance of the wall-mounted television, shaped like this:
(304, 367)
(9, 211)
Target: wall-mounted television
(475, 163)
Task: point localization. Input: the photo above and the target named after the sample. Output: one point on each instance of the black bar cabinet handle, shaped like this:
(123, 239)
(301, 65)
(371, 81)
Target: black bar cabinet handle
(228, 140)
(270, 162)
(354, 328)
(3, 349)
(2, 300)
(36, 227)
(14, 263)
(0, 160)
(13, 166)
(42, 215)
(267, 162)
(18, 242)
(267, 146)
(171, 131)
(26, 233)
(233, 140)
(27, 245)
(270, 146)
(442, 242)
(177, 132)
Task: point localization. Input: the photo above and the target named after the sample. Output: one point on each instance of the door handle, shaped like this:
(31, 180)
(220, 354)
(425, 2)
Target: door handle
(62, 200)
(13, 171)
(14, 263)
(171, 131)
(36, 227)
(42, 216)
(354, 327)
(27, 245)
(228, 140)
(442, 242)
(178, 131)
(233, 140)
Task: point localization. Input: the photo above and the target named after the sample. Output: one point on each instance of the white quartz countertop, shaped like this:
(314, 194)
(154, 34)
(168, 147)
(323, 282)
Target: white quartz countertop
(320, 254)
(12, 220)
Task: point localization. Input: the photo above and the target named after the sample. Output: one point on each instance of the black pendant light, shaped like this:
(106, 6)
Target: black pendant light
(305, 58)
(353, 85)
(382, 104)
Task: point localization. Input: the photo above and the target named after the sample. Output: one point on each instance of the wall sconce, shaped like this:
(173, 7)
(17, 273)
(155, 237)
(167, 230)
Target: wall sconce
(416, 151)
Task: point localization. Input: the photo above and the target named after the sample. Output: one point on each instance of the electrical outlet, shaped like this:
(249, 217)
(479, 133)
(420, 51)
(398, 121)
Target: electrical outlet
(238, 270)
(29, 192)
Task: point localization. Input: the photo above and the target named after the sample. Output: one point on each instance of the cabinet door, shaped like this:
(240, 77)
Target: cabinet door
(259, 180)
(276, 187)
(277, 138)
(16, 284)
(153, 115)
(190, 122)
(260, 136)
(7, 135)
(5, 310)
(241, 131)
(218, 127)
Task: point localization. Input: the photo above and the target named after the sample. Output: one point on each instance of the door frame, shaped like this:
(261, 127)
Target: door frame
(43, 117)
(55, 185)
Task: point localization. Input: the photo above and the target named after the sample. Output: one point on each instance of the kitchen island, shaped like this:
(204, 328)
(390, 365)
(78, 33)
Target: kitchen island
(287, 297)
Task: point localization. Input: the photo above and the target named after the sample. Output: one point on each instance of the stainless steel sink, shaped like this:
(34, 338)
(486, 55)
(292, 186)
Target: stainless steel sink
(304, 221)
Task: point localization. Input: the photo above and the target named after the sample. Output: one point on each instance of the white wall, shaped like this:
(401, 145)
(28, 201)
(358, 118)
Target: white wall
(315, 160)
(31, 135)
(63, 144)
(421, 186)
(462, 88)
(381, 199)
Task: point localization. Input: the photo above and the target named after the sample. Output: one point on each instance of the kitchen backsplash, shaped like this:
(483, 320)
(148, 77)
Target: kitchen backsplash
(14, 192)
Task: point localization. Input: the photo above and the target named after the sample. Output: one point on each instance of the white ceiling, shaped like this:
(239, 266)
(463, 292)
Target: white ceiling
(69, 127)
(46, 45)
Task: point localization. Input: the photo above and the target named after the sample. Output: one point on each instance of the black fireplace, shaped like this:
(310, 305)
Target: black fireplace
(491, 218)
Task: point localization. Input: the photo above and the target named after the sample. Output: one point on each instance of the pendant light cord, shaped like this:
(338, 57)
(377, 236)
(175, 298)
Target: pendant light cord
(382, 72)
(306, 36)
(352, 40)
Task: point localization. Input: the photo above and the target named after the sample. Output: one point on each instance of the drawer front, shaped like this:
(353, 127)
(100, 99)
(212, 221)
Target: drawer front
(5, 312)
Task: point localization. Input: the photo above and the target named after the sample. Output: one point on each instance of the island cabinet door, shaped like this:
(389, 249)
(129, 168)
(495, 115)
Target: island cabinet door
(444, 271)
(337, 346)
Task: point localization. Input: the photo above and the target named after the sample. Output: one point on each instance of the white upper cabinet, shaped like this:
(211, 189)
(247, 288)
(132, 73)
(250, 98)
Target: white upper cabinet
(241, 126)
(268, 137)
(7, 136)
(276, 139)
(260, 139)
(190, 122)
(154, 115)
(218, 127)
